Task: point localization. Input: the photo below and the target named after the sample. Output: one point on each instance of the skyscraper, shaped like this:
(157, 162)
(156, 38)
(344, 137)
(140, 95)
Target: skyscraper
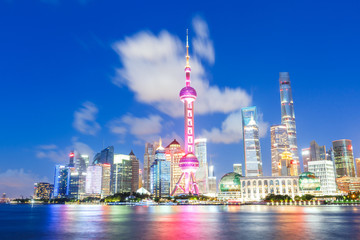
(93, 179)
(135, 172)
(279, 144)
(324, 169)
(202, 173)
(188, 163)
(288, 113)
(61, 181)
(252, 152)
(149, 157)
(238, 168)
(357, 161)
(344, 158)
(305, 153)
(122, 174)
(317, 152)
(212, 181)
(174, 153)
(160, 174)
(105, 156)
(43, 190)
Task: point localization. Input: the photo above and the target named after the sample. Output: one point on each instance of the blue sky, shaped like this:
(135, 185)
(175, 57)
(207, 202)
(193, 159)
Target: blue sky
(87, 74)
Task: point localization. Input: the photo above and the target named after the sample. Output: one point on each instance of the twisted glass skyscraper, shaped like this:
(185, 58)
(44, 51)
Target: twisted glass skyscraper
(288, 114)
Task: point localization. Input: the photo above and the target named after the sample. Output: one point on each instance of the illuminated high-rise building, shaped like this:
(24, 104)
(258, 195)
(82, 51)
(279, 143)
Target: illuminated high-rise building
(43, 190)
(252, 151)
(140, 178)
(288, 114)
(357, 162)
(212, 181)
(202, 173)
(238, 168)
(279, 144)
(121, 174)
(93, 179)
(61, 181)
(74, 185)
(344, 158)
(305, 153)
(174, 153)
(317, 153)
(188, 163)
(135, 164)
(160, 174)
(149, 157)
(105, 179)
(287, 166)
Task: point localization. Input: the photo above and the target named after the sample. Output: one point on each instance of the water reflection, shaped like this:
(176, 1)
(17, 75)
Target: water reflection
(179, 222)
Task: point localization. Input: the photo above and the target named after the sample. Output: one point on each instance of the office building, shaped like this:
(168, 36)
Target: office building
(252, 152)
(348, 184)
(105, 180)
(149, 157)
(344, 158)
(94, 180)
(212, 181)
(160, 172)
(201, 174)
(279, 144)
(61, 181)
(305, 153)
(43, 190)
(238, 168)
(288, 114)
(357, 162)
(174, 153)
(324, 169)
(122, 174)
(135, 165)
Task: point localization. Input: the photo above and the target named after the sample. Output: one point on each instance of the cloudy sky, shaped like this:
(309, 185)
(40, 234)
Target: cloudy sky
(87, 74)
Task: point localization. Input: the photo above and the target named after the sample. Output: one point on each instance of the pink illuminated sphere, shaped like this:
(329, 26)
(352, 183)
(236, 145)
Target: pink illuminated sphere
(189, 163)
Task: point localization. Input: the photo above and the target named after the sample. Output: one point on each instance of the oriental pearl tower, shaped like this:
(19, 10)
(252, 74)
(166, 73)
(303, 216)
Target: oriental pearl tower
(188, 163)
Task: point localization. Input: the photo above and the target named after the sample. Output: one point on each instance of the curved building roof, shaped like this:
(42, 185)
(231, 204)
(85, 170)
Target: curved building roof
(230, 182)
(188, 91)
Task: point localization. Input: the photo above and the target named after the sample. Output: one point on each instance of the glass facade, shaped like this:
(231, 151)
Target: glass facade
(160, 174)
(309, 182)
(252, 152)
(288, 114)
(201, 174)
(174, 153)
(238, 168)
(344, 158)
(61, 181)
(324, 169)
(121, 173)
(93, 180)
(279, 144)
(212, 181)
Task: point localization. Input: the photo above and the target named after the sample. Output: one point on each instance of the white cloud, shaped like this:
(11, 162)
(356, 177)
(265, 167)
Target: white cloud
(82, 148)
(143, 128)
(203, 46)
(16, 182)
(51, 152)
(153, 68)
(231, 129)
(48, 147)
(85, 119)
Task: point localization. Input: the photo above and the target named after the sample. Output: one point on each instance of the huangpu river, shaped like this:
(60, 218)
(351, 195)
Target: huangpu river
(178, 222)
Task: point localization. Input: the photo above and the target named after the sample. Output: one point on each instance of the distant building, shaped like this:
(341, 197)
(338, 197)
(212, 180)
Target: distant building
(140, 179)
(173, 154)
(43, 190)
(286, 165)
(94, 179)
(160, 174)
(317, 153)
(201, 174)
(279, 144)
(122, 174)
(212, 181)
(74, 185)
(105, 180)
(61, 181)
(105, 156)
(357, 161)
(324, 169)
(149, 157)
(305, 152)
(135, 165)
(238, 168)
(252, 152)
(344, 158)
(288, 113)
(348, 184)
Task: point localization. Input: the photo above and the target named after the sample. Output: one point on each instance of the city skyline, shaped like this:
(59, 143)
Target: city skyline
(62, 111)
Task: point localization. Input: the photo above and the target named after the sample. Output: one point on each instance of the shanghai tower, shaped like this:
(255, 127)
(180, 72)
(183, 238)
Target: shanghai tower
(188, 163)
(288, 115)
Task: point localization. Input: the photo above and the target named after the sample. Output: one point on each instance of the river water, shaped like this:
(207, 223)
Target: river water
(178, 222)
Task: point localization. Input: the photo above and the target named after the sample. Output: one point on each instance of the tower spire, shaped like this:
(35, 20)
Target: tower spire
(187, 48)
